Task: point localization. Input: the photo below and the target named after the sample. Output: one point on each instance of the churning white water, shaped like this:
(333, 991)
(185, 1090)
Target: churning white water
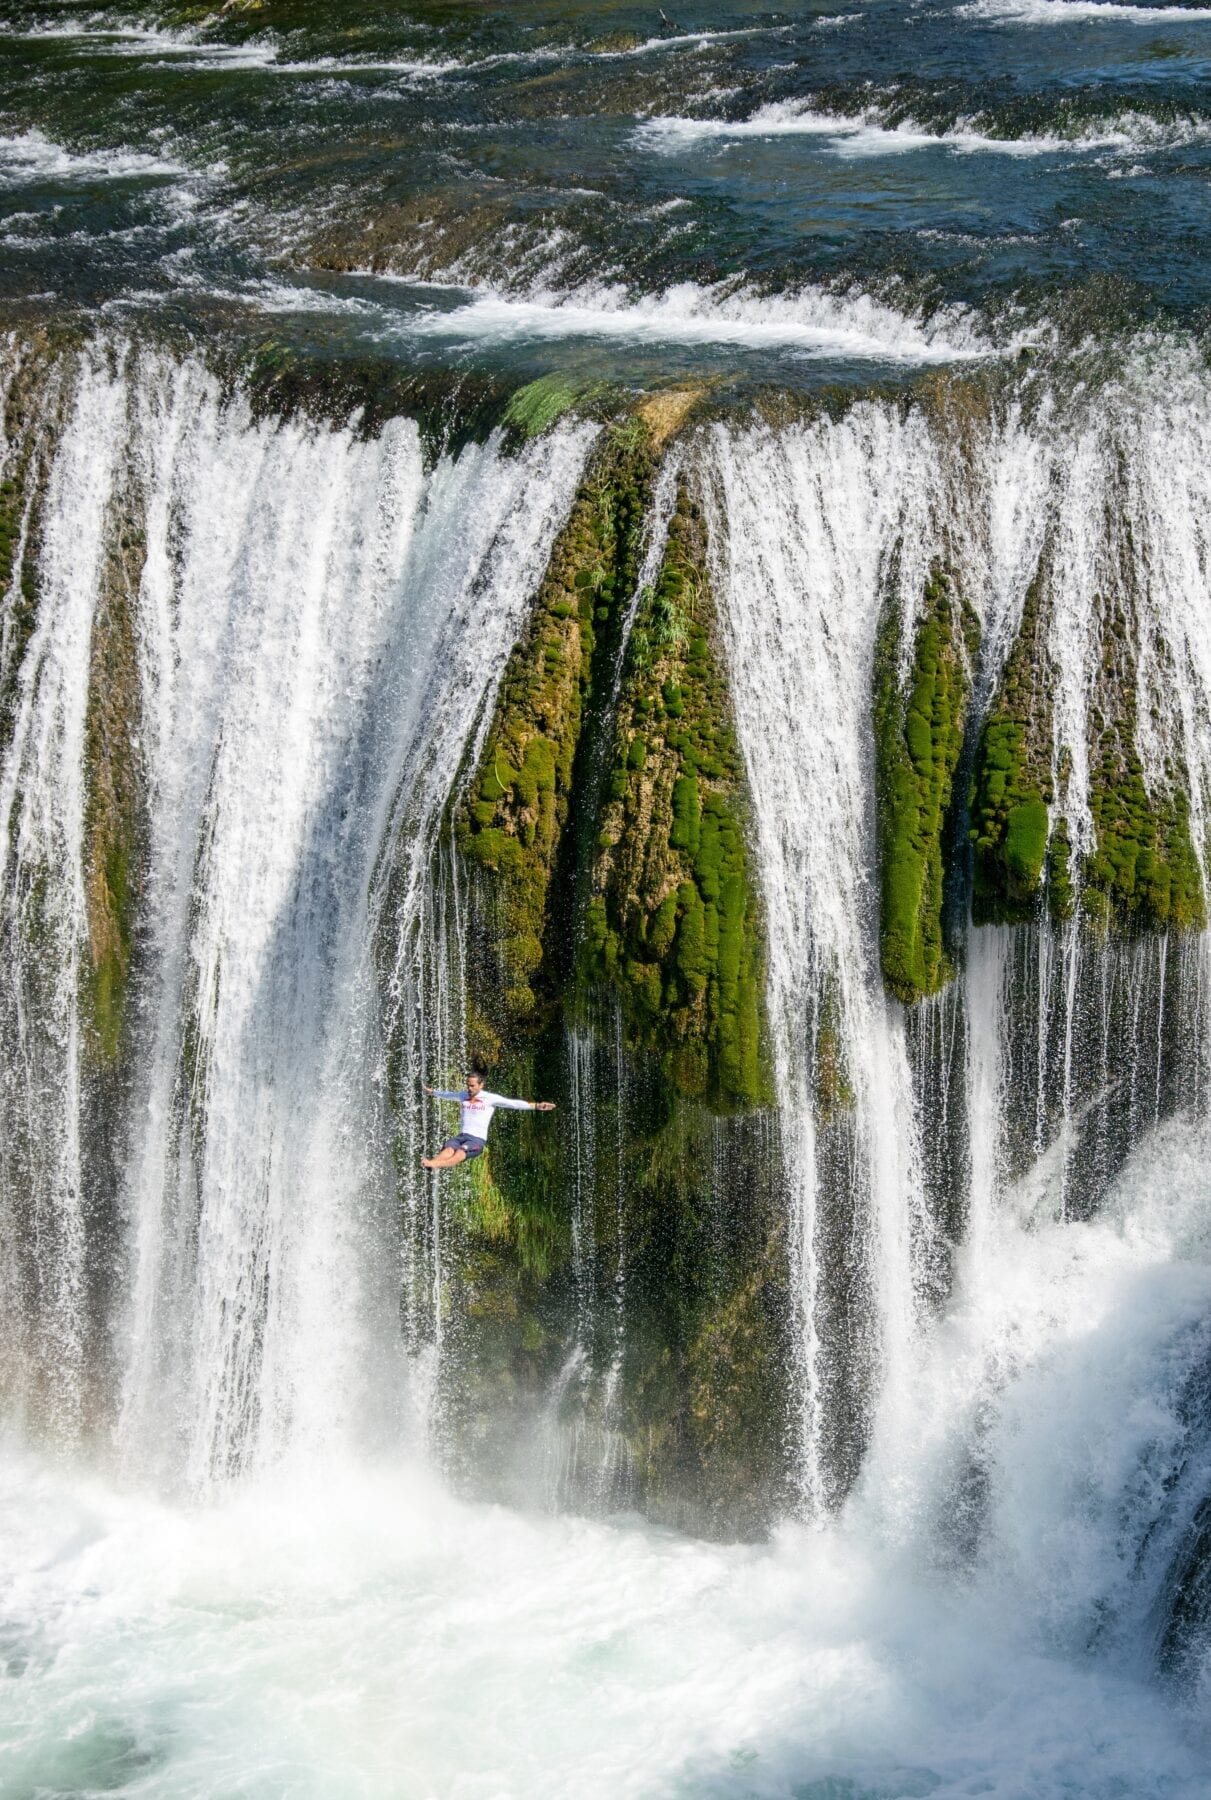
(360, 1633)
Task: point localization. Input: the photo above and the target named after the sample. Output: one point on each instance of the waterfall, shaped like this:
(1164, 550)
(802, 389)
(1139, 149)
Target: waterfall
(1050, 1052)
(984, 1214)
(319, 623)
(489, 529)
(317, 619)
(803, 525)
(46, 1278)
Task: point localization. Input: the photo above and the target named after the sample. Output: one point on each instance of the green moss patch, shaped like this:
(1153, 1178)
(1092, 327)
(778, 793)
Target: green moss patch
(536, 407)
(673, 921)
(1144, 873)
(918, 737)
(30, 421)
(511, 824)
(1012, 789)
(115, 813)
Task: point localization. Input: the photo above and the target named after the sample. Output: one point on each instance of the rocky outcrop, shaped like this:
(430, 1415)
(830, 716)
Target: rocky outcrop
(115, 802)
(1143, 873)
(674, 922)
(919, 722)
(604, 836)
(512, 827)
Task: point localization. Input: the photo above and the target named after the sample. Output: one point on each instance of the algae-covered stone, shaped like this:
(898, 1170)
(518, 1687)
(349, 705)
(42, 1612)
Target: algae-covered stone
(1143, 872)
(511, 826)
(33, 412)
(1012, 786)
(918, 737)
(674, 922)
(115, 797)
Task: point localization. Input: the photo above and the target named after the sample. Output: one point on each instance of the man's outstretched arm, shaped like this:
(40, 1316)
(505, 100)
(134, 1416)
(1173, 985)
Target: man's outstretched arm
(520, 1105)
(444, 1093)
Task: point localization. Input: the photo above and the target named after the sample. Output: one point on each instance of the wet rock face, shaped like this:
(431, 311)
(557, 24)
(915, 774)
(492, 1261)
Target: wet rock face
(1012, 787)
(32, 416)
(116, 804)
(919, 727)
(614, 906)
(525, 794)
(674, 920)
(1142, 872)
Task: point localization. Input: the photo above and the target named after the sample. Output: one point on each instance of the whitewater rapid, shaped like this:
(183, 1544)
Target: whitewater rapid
(356, 1630)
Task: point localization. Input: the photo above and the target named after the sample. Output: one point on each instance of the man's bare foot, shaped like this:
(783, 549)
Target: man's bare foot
(445, 1159)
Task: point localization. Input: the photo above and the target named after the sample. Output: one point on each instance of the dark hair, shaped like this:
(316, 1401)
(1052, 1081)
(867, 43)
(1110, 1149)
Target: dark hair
(477, 1069)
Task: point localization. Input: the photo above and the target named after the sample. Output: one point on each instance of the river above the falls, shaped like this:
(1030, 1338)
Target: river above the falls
(753, 194)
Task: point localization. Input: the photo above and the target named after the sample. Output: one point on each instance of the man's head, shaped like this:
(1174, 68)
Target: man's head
(475, 1079)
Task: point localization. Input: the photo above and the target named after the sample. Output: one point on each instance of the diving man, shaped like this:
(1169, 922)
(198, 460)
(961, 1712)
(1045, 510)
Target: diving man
(477, 1109)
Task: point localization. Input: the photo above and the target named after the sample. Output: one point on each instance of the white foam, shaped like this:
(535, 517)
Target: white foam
(811, 322)
(327, 1635)
(83, 33)
(680, 40)
(1080, 12)
(32, 157)
(188, 50)
(865, 134)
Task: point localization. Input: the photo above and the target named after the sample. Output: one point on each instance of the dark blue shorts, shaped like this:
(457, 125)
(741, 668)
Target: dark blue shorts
(464, 1141)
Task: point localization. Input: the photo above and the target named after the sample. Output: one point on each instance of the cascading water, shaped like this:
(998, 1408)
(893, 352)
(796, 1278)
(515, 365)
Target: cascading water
(1072, 1051)
(671, 555)
(996, 1218)
(46, 1275)
(803, 535)
(317, 634)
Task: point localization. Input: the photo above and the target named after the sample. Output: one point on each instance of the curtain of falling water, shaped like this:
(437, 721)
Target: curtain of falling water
(1051, 1051)
(320, 625)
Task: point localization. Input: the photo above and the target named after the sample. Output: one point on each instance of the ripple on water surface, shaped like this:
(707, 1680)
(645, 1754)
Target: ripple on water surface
(972, 153)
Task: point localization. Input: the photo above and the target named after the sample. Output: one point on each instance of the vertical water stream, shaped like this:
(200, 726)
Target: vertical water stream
(320, 623)
(1050, 1052)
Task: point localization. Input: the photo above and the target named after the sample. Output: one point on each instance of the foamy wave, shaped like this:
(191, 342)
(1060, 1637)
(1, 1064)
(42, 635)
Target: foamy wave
(33, 157)
(1067, 12)
(186, 49)
(811, 323)
(682, 40)
(866, 135)
(47, 29)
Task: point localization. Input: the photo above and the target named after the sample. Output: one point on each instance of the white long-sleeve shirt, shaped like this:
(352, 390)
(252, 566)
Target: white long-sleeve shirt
(477, 1112)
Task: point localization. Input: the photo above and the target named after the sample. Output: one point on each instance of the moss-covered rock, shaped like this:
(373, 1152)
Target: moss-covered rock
(610, 792)
(1012, 787)
(1143, 873)
(702, 1398)
(511, 826)
(673, 922)
(535, 407)
(115, 799)
(31, 420)
(918, 737)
